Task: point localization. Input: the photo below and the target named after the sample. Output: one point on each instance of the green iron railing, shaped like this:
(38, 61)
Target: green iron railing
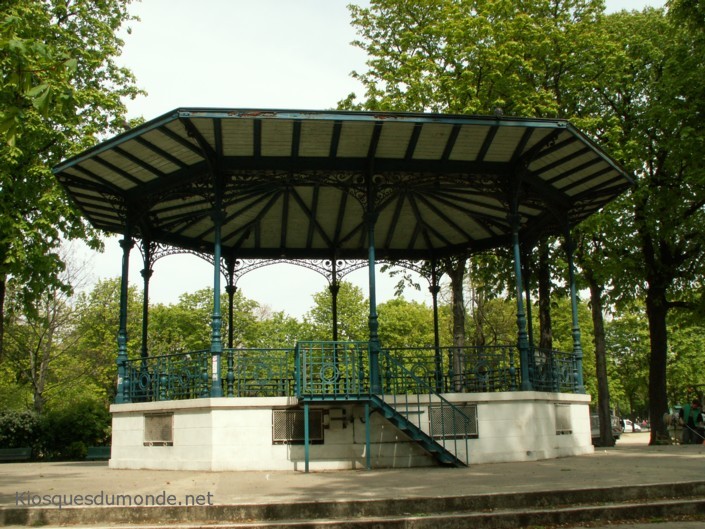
(258, 372)
(168, 377)
(553, 371)
(332, 370)
(462, 369)
(342, 370)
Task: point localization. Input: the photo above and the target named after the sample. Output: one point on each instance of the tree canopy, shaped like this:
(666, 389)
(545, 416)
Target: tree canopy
(60, 89)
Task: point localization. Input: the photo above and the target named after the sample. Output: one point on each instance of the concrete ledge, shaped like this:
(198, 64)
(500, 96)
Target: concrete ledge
(210, 403)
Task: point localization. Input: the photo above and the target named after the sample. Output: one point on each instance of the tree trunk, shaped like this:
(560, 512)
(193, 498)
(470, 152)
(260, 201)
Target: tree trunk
(544, 279)
(456, 271)
(2, 317)
(656, 311)
(603, 392)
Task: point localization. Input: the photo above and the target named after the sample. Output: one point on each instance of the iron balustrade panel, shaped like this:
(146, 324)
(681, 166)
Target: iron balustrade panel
(553, 371)
(176, 376)
(470, 369)
(332, 370)
(254, 372)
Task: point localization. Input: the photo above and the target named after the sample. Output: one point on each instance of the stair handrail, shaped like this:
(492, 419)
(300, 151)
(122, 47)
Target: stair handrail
(400, 401)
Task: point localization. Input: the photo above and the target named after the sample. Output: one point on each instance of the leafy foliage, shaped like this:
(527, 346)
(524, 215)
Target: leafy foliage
(19, 428)
(60, 88)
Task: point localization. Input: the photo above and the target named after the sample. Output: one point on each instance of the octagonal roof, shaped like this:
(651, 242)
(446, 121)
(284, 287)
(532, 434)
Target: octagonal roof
(305, 183)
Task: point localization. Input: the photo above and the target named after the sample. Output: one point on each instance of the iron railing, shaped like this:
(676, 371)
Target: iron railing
(335, 370)
(332, 370)
(472, 369)
(552, 370)
(168, 377)
(258, 372)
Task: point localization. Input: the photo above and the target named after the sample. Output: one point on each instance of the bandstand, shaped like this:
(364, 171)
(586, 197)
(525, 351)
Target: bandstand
(246, 187)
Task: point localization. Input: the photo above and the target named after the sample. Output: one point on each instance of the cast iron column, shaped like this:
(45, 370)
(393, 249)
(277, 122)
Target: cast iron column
(231, 289)
(435, 289)
(146, 275)
(334, 288)
(577, 345)
(123, 381)
(527, 290)
(523, 340)
(217, 320)
(375, 380)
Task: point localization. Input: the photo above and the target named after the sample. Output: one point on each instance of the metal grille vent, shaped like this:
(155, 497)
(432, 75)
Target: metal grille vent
(448, 422)
(159, 429)
(563, 423)
(288, 426)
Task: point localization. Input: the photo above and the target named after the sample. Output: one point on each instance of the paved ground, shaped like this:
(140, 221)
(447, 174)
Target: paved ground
(631, 462)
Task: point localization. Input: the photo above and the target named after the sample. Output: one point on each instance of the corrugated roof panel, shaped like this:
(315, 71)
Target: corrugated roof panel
(77, 174)
(150, 157)
(593, 183)
(560, 182)
(125, 164)
(315, 138)
(504, 144)
(238, 139)
(205, 127)
(277, 137)
(468, 143)
(432, 141)
(199, 229)
(537, 136)
(550, 166)
(107, 174)
(190, 156)
(394, 140)
(327, 217)
(355, 137)
(170, 214)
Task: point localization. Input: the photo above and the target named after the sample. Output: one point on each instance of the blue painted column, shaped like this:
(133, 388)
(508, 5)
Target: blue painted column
(527, 291)
(123, 381)
(146, 276)
(438, 361)
(217, 318)
(307, 438)
(334, 288)
(373, 323)
(523, 338)
(577, 344)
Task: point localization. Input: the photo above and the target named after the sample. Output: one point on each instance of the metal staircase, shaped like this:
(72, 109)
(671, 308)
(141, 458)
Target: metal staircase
(340, 371)
(437, 450)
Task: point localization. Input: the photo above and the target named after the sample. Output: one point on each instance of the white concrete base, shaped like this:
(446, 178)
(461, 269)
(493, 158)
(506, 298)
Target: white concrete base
(236, 434)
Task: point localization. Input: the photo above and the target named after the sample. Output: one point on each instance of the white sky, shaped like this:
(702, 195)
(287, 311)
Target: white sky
(286, 54)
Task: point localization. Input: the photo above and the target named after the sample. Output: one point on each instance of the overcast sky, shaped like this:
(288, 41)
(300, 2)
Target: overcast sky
(293, 54)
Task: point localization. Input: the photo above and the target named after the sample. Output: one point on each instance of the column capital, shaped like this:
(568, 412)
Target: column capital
(127, 242)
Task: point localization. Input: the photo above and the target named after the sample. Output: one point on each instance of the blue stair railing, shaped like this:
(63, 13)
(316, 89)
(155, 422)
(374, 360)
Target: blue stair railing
(438, 425)
(334, 371)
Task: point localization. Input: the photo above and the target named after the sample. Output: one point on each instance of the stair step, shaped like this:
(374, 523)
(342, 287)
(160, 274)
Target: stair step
(519, 518)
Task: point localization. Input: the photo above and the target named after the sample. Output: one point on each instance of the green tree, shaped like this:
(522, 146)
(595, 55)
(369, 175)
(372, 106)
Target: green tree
(353, 312)
(405, 323)
(278, 330)
(59, 89)
(649, 96)
(473, 57)
(98, 323)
